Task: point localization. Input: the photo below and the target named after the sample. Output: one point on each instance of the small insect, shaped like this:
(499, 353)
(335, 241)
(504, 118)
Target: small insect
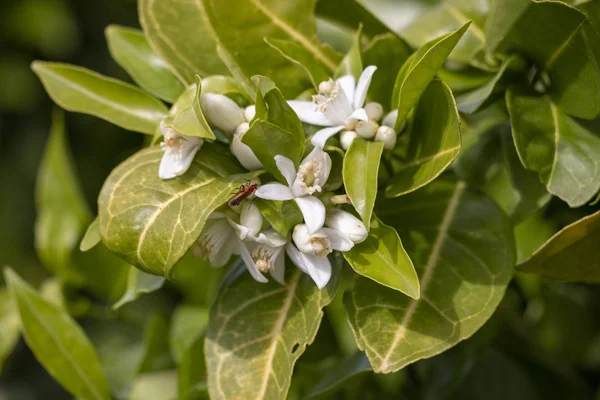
(243, 193)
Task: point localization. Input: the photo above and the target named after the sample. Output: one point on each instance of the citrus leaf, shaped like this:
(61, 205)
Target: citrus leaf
(138, 283)
(10, 326)
(339, 375)
(91, 237)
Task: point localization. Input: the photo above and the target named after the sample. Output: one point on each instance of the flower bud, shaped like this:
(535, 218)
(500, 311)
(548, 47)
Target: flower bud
(317, 243)
(347, 224)
(366, 129)
(221, 111)
(251, 218)
(386, 135)
(374, 111)
(346, 139)
(249, 113)
(241, 151)
(326, 87)
(390, 119)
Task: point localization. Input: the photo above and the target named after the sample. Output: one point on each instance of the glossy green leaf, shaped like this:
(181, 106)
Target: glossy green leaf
(186, 116)
(465, 79)
(282, 215)
(346, 371)
(301, 56)
(559, 148)
(471, 101)
(462, 246)
(236, 71)
(275, 130)
(81, 90)
(58, 342)
(446, 17)
(278, 20)
(352, 63)
(10, 326)
(188, 323)
(91, 237)
(569, 56)
(434, 141)
(351, 14)
(61, 207)
(360, 170)
(180, 34)
(147, 229)
(571, 254)
(531, 234)
(278, 323)
(160, 385)
(129, 48)
(418, 71)
(388, 53)
(138, 283)
(382, 257)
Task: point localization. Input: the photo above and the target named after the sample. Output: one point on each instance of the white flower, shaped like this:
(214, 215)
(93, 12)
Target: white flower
(243, 152)
(339, 105)
(346, 224)
(221, 112)
(311, 176)
(179, 152)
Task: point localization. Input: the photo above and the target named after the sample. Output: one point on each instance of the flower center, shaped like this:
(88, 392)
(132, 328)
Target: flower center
(262, 258)
(328, 91)
(173, 143)
(309, 174)
(321, 246)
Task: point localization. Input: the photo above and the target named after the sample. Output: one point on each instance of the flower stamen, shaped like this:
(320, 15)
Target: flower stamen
(321, 246)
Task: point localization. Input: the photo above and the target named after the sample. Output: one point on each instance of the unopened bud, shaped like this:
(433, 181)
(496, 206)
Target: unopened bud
(346, 139)
(347, 224)
(221, 111)
(374, 111)
(326, 87)
(386, 135)
(249, 113)
(243, 152)
(366, 129)
(340, 199)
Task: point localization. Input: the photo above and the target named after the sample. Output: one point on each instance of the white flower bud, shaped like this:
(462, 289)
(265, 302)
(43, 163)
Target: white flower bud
(249, 113)
(251, 218)
(221, 111)
(242, 152)
(346, 139)
(366, 129)
(390, 119)
(317, 243)
(374, 111)
(326, 87)
(386, 135)
(347, 224)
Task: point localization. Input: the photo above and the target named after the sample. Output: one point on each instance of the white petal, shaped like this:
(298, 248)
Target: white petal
(251, 218)
(241, 231)
(244, 154)
(362, 87)
(221, 111)
(318, 268)
(278, 271)
(307, 112)
(296, 257)
(250, 265)
(286, 167)
(360, 114)
(274, 191)
(321, 136)
(249, 113)
(271, 238)
(339, 109)
(346, 139)
(221, 257)
(325, 168)
(347, 224)
(338, 240)
(302, 238)
(313, 212)
(176, 161)
(348, 84)
(390, 119)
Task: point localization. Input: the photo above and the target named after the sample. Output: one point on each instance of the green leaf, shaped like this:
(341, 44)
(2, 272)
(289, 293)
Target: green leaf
(446, 17)
(147, 229)
(301, 56)
(81, 90)
(282, 215)
(569, 255)
(186, 116)
(434, 141)
(360, 170)
(129, 48)
(10, 326)
(569, 57)
(161, 385)
(180, 34)
(419, 70)
(278, 323)
(353, 14)
(388, 53)
(275, 130)
(559, 148)
(157, 356)
(471, 101)
(347, 370)
(138, 283)
(91, 237)
(275, 20)
(227, 86)
(58, 342)
(191, 374)
(187, 324)
(61, 207)
(352, 63)
(382, 258)
(462, 246)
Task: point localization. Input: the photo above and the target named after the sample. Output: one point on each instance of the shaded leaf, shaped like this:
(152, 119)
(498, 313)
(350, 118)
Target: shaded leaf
(187, 324)
(129, 48)
(91, 237)
(81, 90)
(560, 149)
(382, 258)
(352, 63)
(58, 342)
(354, 14)
(360, 171)
(138, 283)
(157, 355)
(160, 385)
(347, 369)
(191, 374)
(434, 141)
(462, 246)
(10, 326)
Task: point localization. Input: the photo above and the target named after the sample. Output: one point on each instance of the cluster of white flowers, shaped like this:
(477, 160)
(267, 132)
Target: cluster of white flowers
(339, 107)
